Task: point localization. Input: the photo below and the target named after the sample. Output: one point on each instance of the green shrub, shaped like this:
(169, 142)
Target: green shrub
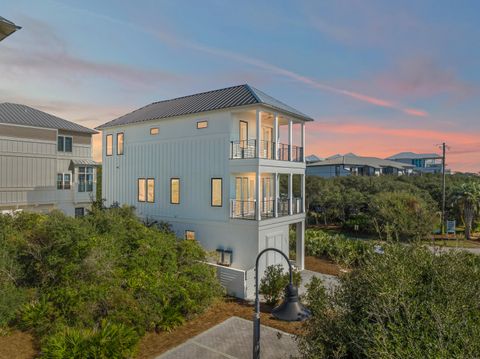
(406, 303)
(108, 341)
(274, 282)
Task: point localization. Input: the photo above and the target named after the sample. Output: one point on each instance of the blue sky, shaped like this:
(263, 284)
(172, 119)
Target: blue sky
(379, 77)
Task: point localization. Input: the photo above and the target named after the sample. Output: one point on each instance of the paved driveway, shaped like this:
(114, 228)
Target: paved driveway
(233, 339)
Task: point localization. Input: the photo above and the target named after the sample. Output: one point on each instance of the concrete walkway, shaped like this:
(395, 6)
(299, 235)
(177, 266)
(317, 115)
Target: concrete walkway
(233, 339)
(329, 281)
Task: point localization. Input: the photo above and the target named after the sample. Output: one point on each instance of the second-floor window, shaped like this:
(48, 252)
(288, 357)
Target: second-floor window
(146, 190)
(202, 124)
(216, 200)
(85, 179)
(109, 145)
(120, 143)
(64, 180)
(175, 190)
(64, 144)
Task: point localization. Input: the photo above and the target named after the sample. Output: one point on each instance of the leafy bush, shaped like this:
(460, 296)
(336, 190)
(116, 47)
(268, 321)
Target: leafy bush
(108, 341)
(406, 303)
(70, 276)
(401, 215)
(274, 282)
(336, 247)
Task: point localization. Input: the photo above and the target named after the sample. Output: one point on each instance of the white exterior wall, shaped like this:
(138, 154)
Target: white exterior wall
(180, 150)
(28, 174)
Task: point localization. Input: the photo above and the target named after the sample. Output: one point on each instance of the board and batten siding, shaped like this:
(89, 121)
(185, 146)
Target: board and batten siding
(180, 150)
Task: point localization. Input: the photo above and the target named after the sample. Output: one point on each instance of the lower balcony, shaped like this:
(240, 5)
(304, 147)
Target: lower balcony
(246, 209)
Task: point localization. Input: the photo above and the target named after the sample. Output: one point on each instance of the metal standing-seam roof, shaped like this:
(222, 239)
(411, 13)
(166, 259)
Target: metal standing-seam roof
(235, 96)
(353, 160)
(413, 156)
(7, 28)
(17, 114)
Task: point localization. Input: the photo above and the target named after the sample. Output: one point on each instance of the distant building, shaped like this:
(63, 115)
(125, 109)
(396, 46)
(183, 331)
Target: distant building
(351, 164)
(313, 158)
(7, 28)
(422, 162)
(45, 162)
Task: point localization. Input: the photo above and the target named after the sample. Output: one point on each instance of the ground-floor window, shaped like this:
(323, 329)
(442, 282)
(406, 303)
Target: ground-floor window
(79, 212)
(190, 235)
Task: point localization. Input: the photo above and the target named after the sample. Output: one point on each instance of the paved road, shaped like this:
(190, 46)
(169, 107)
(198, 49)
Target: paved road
(233, 339)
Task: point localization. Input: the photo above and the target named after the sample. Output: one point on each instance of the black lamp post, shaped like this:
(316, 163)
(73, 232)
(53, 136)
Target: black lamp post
(290, 310)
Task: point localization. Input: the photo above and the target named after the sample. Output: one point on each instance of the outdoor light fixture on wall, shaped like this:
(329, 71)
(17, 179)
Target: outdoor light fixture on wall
(290, 310)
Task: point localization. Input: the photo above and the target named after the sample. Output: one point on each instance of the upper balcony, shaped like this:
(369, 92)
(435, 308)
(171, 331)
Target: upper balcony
(260, 134)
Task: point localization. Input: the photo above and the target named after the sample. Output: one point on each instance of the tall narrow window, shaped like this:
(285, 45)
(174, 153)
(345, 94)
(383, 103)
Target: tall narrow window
(66, 181)
(151, 190)
(60, 181)
(243, 134)
(89, 179)
(141, 190)
(60, 144)
(109, 145)
(81, 179)
(68, 144)
(120, 143)
(175, 190)
(216, 200)
(202, 124)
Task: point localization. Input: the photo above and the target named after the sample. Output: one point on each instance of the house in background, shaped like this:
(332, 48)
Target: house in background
(313, 158)
(45, 162)
(210, 164)
(351, 164)
(422, 162)
(7, 28)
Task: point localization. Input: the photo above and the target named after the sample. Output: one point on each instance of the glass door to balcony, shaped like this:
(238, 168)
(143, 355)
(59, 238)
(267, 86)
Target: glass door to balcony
(267, 198)
(244, 206)
(267, 142)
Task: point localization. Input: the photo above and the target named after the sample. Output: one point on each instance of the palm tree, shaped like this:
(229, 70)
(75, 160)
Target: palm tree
(467, 197)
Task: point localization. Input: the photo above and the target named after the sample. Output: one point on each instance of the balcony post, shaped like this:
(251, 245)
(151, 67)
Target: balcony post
(259, 128)
(277, 194)
(302, 133)
(258, 194)
(275, 136)
(290, 194)
(303, 194)
(290, 139)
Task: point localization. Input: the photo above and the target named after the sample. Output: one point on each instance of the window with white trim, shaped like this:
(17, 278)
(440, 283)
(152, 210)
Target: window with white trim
(202, 124)
(109, 145)
(85, 179)
(64, 180)
(64, 144)
(190, 235)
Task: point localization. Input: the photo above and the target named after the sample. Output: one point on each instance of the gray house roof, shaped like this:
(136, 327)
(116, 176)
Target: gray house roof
(7, 28)
(353, 160)
(16, 114)
(413, 156)
(235, 96)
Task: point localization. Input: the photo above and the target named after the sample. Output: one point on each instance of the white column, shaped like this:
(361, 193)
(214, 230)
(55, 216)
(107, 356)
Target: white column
(275, 135)
(300, 255)
(303, 193)
(302, 133)
(259, 128)
(276, 194)
(258, 195)
(290, 194)
(290, 139)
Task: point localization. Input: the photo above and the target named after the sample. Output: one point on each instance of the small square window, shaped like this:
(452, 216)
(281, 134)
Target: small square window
(79, 212)
(202, 124)
(154, 131)
(190, 235)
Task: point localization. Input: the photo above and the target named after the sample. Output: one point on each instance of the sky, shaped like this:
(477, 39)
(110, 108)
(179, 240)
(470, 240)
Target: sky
(378, 77)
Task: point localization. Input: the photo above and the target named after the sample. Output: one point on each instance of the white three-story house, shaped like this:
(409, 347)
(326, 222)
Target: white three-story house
(224, 167)
(45, 162)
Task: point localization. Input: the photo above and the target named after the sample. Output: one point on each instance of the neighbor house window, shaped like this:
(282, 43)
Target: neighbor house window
(141, 190)
(190, 235)
(154, 131)
(109, 145)
(216, 200)
(120, 143)
(63, 180)
(175, 190)
(150, 190)
(64, 144)
(202, 124)
(79, 212)
(85, 179)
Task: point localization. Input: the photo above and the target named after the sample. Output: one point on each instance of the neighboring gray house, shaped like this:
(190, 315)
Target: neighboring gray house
(210, 165)
(351, 164)
(7, 28)
(421, 162)
(45, 162)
